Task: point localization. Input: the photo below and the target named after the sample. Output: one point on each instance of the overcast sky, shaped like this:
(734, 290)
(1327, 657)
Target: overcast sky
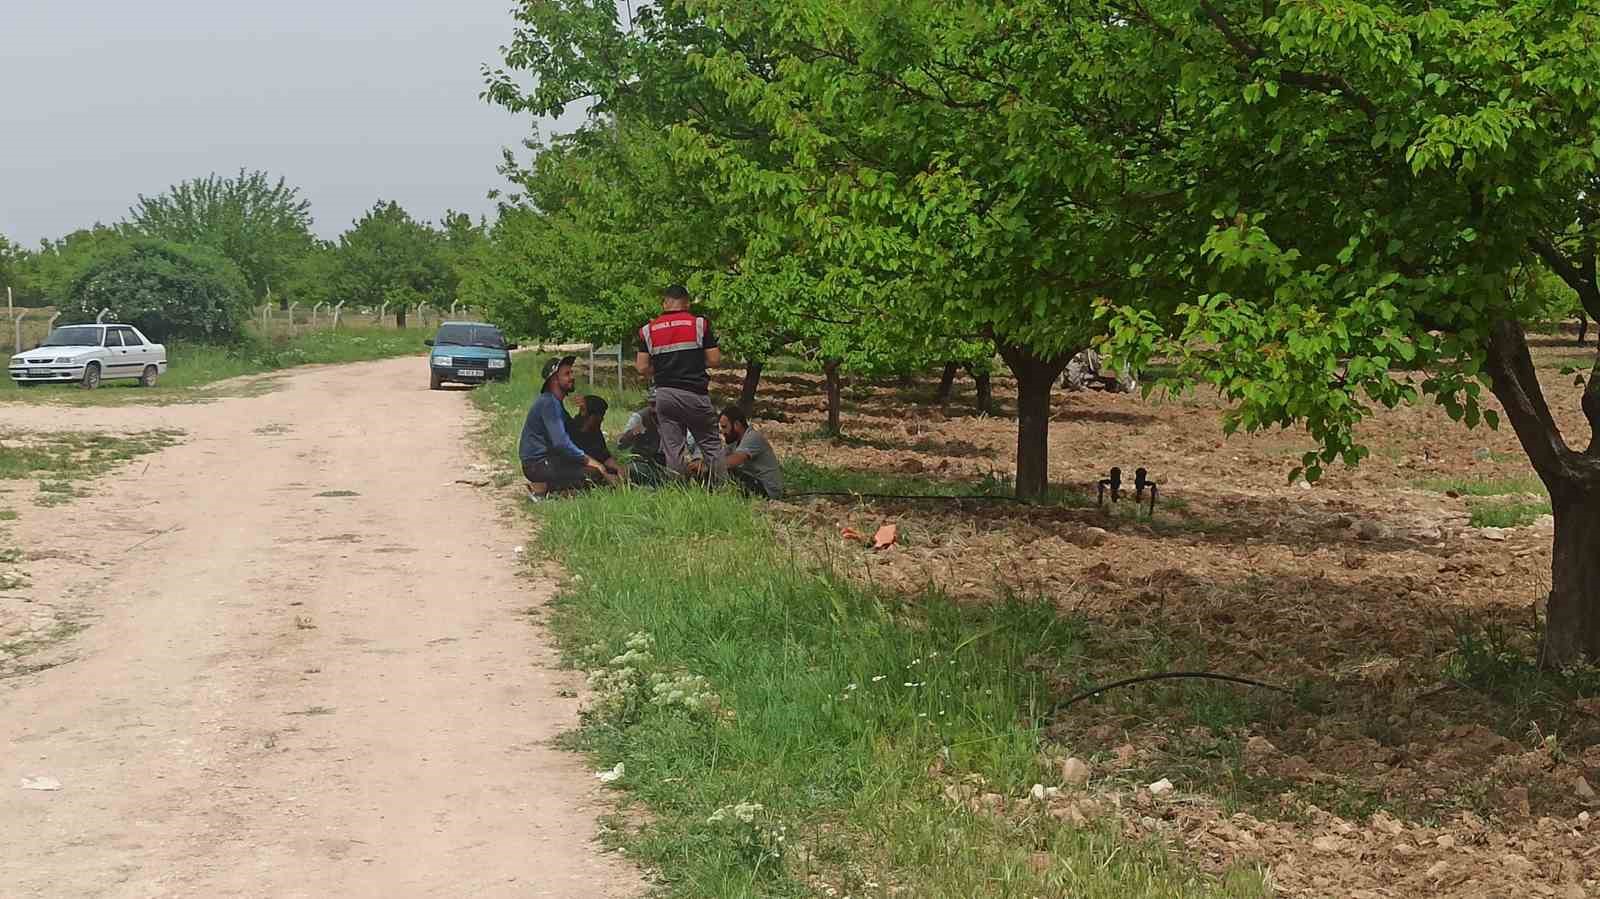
(351, 100)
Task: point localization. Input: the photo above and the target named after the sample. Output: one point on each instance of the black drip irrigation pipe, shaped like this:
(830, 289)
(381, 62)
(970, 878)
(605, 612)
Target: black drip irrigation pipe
(1064, 704)
(976, 496)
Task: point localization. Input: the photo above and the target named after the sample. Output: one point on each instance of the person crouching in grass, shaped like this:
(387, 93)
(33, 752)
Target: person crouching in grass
(584, 429)
(751, 462)
(550, 460)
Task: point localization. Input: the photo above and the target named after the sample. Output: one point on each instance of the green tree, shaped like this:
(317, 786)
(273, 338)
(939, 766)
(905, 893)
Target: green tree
(264, 226)
(167, 290)
(12, 260)
(949, 156)
(389, 257)
(1379, 181)
(599, 190)
(47, 274)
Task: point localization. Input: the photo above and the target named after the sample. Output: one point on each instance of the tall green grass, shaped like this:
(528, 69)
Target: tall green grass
(735, 670)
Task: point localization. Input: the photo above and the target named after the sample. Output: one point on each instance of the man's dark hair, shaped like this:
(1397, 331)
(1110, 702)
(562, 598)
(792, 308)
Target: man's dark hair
(594, 405)
(676, 292)
(735, 414)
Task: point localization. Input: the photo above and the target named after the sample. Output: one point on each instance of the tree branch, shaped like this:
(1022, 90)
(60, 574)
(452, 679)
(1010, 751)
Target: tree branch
(1515, 383)
(1580, 278)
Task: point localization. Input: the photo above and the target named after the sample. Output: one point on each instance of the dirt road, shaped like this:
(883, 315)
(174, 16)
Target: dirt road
(282, 694)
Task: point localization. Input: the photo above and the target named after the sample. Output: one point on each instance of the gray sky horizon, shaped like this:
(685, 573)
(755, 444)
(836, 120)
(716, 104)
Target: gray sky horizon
(352, 102)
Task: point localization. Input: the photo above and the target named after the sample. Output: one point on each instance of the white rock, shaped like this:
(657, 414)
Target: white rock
(1037, 792)
(1498, 535)
(1328, 845)
(1075, 772)
(1581, 789)
(615, 774)
(47, 784)
(1161, 787)
(1545, 524)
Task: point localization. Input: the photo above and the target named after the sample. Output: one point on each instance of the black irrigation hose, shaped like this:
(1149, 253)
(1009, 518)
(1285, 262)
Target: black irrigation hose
(977, 496)
(1166, 675)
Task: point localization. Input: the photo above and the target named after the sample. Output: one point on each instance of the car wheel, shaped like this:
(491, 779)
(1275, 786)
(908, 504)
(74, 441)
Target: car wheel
(148, 379)
(91, 376)
(434, 381)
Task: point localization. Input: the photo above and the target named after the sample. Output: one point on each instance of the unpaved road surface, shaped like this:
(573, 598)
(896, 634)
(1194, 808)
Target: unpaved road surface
(287, 695)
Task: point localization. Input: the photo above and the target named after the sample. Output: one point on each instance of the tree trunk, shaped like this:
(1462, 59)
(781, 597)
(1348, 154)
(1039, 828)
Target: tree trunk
(830, 370)
(752, 380)
(947, 383)
(1583, 328)
(985, 401)
(400, 317)
(1572, 622)
(1036, 379)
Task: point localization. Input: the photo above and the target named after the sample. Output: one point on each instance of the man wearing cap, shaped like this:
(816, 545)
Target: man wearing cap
(677, 347)
(550, 460)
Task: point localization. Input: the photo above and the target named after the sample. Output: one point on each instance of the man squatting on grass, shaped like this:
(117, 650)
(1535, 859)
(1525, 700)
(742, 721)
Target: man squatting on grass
(550, 460)
(678, 346)
(585, 432)
(751, 462)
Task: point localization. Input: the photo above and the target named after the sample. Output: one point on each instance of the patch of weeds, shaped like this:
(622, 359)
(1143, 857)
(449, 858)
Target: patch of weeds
(1506, 513)
(8, 515)
(55, 493)
(58, 458)
(1517, 486)
(1502, 665)
(13, 651)
(272, 430)
(313, 710)
(337, 493)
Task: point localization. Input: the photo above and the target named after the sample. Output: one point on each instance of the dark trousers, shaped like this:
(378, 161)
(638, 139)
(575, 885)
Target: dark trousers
(558, 473)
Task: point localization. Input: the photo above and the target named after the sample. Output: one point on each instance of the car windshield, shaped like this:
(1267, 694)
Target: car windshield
(470, 335)
(80, 335)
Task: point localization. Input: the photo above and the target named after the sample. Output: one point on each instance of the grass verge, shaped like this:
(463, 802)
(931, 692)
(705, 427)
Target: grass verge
(1481, 487)
(192, 367)
(1506, 513)
(792, 733)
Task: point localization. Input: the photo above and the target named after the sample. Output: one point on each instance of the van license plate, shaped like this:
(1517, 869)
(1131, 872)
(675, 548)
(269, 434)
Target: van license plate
(470, 372)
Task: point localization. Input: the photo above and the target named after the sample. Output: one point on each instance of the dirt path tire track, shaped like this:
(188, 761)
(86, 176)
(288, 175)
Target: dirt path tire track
(286, 695)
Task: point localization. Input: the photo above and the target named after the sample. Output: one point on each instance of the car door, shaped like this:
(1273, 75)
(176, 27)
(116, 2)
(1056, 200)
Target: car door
(137, 352)
(114, 358)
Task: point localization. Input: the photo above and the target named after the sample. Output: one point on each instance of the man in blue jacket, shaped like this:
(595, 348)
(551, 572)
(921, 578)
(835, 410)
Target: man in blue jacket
(550, 460)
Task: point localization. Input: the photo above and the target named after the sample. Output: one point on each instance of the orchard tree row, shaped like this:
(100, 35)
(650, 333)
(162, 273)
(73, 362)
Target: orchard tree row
(193, 261)
(1319, 208)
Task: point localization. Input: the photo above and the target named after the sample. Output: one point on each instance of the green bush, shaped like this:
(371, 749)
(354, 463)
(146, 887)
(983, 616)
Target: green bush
(166, 290)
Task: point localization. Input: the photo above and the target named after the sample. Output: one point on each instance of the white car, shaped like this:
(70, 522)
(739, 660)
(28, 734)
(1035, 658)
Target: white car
(89, 354)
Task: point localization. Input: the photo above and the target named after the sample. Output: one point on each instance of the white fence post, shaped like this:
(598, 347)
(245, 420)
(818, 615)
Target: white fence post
(50, 325)
(20, 316)
(337, 311)
(291, 316)
(266, 318)
(418, 315)
(383, 311)
(101, 318)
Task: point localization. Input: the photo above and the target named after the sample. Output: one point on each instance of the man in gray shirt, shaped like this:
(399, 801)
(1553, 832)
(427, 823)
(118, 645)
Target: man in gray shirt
(751, 462)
